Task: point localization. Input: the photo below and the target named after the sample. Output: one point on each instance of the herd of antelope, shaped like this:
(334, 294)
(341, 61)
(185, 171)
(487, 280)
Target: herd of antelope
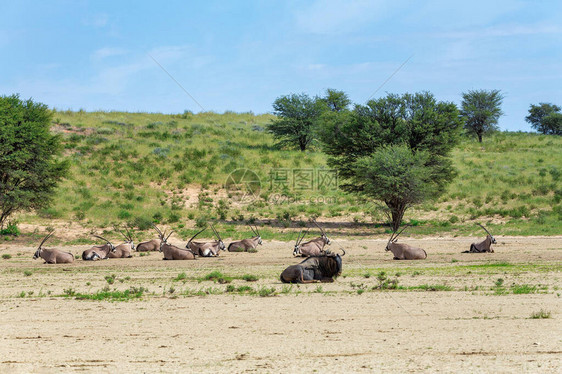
(320, 264)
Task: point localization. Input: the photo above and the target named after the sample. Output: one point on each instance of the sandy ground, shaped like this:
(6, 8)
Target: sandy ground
(302, 329)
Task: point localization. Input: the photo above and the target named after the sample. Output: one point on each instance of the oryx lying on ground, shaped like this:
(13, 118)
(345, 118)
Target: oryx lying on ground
(312, 247)
(246, 244)
(53, 256)
(404, 251)
(123, 250)
(206, 249)
(149, 246)
(483, 246)
(171, 252)
(323, 268)
(98, 252)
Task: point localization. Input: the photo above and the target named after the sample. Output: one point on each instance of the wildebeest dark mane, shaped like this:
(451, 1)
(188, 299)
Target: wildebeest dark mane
(328, 265)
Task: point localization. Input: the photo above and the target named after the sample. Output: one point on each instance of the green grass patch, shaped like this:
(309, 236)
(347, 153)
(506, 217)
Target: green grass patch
(521, 289)
(130, 294)
(431, 287)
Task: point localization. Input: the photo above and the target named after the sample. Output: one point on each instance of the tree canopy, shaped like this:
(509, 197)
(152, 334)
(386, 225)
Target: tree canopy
(545, 118)
(297, 117)
(394, 149)
(481, 110)
(29, 168)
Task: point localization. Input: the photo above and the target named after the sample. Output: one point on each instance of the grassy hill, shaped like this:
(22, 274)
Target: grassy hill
(144, 167)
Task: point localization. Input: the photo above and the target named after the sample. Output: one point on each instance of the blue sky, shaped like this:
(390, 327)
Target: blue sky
(241, 55)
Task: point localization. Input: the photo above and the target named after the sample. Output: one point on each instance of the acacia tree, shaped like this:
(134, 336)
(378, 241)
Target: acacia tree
(481, 110)
(337, 101)
(394, 149)
(297, 116)
(29, 168)
(545, 118)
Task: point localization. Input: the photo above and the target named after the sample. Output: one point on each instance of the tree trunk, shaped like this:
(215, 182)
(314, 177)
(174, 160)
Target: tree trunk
(479, 137)
(396, 213)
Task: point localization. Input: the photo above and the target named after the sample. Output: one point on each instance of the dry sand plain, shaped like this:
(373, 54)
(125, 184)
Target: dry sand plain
(325, 328)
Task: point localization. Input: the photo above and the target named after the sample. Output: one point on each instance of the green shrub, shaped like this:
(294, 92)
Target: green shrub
(11, 229)
(124, 214)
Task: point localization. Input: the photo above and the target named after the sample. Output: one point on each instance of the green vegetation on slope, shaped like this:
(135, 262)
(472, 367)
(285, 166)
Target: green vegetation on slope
(144, 167)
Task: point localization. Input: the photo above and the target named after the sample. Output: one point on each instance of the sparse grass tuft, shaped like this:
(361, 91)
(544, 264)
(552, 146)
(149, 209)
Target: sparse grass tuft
(27, 273)
(6, 256)
(110, 278)
(541, 314)
(267, 291)
(181, 276)
(250, 278)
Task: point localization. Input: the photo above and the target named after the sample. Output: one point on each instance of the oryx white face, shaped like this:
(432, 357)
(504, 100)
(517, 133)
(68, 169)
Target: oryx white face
(326, 239)
(259, 240)
(37, 254)
(297, 250)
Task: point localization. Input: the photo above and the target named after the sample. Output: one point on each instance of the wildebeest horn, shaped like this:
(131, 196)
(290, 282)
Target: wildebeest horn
(193, 237)
(45, 239)
(484, 229)
(343, 250)
(102, 238)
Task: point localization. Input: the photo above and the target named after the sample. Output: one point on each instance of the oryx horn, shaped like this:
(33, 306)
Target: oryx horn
(45, 239)
(216, 233)
(102, 238)
(404, 228)
(193, 237)
(170, 234)
(484, 229)
(317, 225)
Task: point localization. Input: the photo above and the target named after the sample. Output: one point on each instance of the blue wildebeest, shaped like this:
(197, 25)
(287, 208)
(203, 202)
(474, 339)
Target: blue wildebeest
(322, 268)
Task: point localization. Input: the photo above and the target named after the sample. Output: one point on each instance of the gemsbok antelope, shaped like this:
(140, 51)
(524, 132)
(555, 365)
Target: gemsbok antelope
(246, 245)
(404, 251)
(323, 268)
(123, 250)
(206, 249)
(314, 247)
(149, 246)
(483, 246)
(98, 252)
(172, 252)
(52, 256)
